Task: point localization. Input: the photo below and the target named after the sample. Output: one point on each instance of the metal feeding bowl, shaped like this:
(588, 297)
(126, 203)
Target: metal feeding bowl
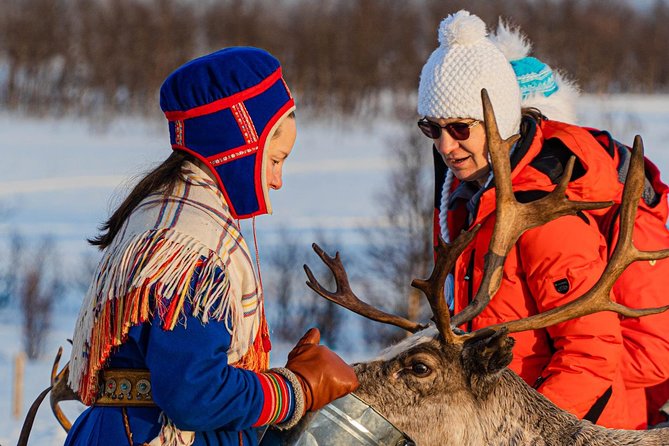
(346, 421)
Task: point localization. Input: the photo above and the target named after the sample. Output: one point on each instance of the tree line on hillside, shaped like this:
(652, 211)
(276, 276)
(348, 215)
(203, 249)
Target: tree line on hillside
(31, 281)
(112, 55)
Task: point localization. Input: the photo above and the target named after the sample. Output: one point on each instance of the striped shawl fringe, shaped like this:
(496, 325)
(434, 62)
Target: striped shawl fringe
(170, 435)
(162, 273)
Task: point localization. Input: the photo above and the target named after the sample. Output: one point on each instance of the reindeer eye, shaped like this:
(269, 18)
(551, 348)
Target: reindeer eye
(420, 369)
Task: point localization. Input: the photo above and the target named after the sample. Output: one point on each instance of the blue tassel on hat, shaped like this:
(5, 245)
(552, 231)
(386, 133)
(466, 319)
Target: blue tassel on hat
(534, 76)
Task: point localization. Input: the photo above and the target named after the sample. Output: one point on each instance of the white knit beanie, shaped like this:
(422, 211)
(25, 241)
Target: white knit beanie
(465, 62)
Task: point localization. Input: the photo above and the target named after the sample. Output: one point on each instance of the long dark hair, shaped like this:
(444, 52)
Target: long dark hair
(162, 178)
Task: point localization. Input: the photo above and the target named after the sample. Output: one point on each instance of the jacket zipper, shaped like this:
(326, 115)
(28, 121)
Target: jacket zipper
(540, 380)
(611, 228)
(469, 277)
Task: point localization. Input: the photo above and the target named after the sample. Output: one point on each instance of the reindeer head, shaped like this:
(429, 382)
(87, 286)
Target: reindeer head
(423, 379)
(424, 363)
(446, 374)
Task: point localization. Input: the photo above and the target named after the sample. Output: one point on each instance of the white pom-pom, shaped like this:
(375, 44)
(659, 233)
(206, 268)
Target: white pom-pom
(511, 41)
(461, 28)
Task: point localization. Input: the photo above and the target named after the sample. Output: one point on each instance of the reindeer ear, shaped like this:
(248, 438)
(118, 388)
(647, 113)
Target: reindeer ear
(484, 357)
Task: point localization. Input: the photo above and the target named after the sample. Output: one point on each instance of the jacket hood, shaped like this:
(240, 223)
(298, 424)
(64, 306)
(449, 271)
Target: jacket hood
(223, 108)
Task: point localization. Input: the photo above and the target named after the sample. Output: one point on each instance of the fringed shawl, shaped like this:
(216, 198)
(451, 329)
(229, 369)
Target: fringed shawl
(175, 254)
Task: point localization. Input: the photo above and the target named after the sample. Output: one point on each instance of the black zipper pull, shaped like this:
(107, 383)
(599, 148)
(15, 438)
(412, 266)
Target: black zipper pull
(470, 286)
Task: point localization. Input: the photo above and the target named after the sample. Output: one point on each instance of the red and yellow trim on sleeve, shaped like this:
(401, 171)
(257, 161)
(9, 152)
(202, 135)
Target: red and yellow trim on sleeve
(279, 399)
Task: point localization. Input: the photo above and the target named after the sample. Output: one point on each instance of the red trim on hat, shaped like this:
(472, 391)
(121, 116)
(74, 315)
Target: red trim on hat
(245, 123)
(224, 103)
(179, 132)
(213, 171)
(240, 152)
(287, 89)
(258, 173)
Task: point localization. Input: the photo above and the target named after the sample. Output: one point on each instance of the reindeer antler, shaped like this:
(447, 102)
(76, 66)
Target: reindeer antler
(345, 297)
(61, 391)
(433, 287)
(598, 297)
(511, 217)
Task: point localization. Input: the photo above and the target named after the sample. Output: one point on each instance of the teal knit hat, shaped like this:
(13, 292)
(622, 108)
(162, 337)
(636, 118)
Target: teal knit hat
(534, 77)
(541, 86)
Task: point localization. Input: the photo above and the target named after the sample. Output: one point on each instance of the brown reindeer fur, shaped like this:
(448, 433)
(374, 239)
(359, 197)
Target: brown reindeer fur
(463, 395)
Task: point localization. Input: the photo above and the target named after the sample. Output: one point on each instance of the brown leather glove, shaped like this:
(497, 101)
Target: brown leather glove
(323, 375)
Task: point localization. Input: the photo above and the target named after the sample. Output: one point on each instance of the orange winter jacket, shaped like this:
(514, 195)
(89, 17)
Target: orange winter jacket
(576, 364)
(643, 284)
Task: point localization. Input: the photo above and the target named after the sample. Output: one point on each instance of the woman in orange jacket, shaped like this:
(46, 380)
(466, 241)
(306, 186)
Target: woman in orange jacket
(576, 364)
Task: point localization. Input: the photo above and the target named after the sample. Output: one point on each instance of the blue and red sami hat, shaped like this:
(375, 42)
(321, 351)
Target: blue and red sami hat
(223, 108)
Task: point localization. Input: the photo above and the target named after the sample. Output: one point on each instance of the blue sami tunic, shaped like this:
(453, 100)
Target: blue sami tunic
(191, 381)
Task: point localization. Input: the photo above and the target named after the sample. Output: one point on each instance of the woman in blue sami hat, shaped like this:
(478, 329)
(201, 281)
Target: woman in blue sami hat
(588, 366)
(171, 346)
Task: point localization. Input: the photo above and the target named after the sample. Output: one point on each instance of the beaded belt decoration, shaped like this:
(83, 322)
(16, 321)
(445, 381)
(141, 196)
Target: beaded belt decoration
(125, 387)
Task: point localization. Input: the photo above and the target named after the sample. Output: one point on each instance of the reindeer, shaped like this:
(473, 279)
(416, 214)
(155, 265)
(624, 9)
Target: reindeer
(442, 386)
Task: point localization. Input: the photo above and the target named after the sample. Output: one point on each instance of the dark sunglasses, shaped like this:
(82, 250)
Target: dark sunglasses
(459, 131)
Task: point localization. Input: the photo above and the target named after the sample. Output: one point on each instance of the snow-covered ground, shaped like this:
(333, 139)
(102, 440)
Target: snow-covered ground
(61, 177)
